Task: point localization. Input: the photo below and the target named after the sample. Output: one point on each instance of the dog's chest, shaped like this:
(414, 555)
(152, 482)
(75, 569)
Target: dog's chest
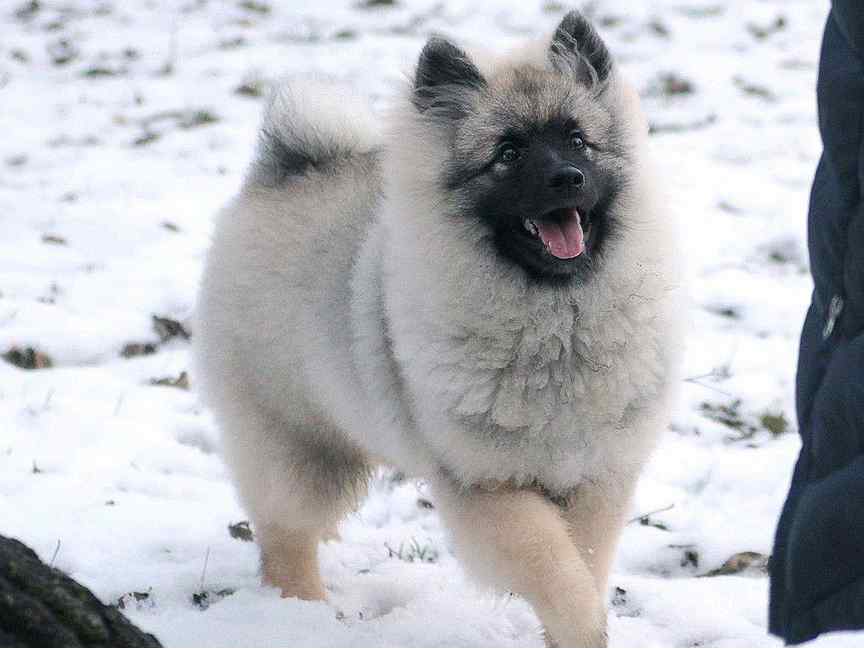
(559, 375)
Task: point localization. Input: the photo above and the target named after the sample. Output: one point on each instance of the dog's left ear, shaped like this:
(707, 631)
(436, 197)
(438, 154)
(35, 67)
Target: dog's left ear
(577, 47)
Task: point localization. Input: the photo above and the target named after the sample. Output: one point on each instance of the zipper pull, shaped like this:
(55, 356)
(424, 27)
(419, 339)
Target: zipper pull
(834, 310)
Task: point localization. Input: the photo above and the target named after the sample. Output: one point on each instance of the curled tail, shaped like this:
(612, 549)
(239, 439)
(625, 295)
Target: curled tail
(312, 125)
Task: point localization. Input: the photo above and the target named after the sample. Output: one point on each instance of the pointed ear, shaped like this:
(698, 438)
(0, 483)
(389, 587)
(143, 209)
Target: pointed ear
(446, 80)
(577, 48)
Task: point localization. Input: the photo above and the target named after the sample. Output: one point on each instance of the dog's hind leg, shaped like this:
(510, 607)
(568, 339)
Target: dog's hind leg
(296, 481)
(289, 561)
(517, 540)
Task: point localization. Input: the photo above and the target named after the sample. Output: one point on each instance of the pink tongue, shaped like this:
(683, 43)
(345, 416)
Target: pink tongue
(564, 240)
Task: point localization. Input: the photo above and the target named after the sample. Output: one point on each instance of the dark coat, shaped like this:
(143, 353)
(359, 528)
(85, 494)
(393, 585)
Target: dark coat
(817, 568)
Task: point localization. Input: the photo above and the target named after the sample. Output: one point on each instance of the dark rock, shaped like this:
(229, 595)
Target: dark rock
(41, 607)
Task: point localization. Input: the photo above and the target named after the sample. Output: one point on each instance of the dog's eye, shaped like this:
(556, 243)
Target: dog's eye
(576, 140)
(508, 153)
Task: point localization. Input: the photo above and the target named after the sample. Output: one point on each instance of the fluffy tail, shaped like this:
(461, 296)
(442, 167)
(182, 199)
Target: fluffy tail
(312, 125)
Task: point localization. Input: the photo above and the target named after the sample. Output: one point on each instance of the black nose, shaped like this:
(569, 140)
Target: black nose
(567, 177)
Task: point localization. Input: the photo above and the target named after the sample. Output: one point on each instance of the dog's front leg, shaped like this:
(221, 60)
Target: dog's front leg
(595, 513)
(516, 540)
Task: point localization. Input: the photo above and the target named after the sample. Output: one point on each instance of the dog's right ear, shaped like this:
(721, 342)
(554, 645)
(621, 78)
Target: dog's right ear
(446, 80)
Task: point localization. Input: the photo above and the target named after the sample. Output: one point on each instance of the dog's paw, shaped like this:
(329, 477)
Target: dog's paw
(589, 639)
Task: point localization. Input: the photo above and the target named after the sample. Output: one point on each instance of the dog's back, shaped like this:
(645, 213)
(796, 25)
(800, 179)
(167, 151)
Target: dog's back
(275, 295)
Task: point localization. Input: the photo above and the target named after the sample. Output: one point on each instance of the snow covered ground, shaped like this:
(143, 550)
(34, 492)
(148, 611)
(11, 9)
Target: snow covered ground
(125, 125)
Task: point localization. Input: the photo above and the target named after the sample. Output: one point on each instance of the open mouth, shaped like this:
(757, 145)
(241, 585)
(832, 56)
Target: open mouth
(561, 231)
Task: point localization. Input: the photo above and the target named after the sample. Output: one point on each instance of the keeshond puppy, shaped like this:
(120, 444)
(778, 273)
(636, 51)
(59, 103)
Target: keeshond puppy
(483, 296)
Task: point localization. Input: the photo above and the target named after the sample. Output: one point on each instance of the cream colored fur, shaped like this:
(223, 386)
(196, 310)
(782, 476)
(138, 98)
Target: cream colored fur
(345, 321)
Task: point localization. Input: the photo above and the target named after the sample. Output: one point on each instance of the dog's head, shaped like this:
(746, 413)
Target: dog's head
(537, 146)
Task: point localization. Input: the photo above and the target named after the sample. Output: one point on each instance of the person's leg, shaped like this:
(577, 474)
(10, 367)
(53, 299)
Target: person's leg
(820, 527)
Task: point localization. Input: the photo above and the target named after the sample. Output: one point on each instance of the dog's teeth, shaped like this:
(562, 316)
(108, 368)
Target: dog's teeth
(529, 225)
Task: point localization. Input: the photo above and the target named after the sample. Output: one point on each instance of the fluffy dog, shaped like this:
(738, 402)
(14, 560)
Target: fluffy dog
(483, 295)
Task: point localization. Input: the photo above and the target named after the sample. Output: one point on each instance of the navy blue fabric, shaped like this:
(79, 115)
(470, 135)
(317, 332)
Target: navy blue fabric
(817, 566)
